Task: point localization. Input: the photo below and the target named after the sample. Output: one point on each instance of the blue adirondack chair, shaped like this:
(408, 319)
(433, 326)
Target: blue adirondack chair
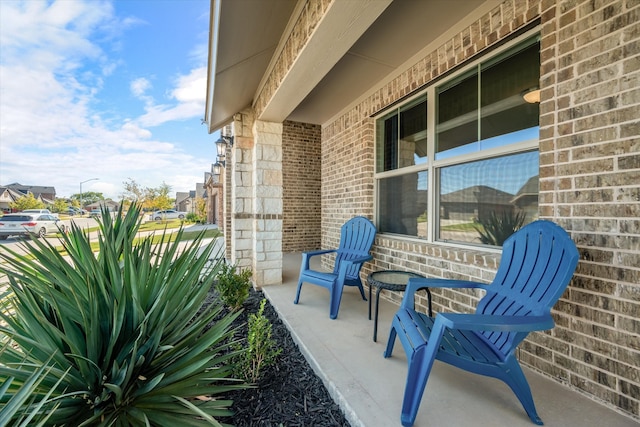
(356, 238)
(537, 264)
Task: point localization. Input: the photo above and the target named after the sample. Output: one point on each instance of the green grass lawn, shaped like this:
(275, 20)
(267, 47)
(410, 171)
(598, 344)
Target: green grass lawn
(468, 226)
(210, 233)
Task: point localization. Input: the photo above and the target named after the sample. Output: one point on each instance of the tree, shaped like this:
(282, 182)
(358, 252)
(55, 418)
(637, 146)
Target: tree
(149, 198)
(60, 205)
(158, 198)
(132, 191)
(88, 197)
(201, 207)
(26, 202)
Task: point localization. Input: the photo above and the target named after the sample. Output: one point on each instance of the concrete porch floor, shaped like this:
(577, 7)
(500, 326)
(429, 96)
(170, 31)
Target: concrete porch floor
(369, 388)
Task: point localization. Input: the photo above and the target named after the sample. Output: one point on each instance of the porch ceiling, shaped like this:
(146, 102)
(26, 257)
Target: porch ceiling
(355, 46)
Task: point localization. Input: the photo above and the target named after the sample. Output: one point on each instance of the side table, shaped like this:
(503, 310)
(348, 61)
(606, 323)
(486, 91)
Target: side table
(391, 280)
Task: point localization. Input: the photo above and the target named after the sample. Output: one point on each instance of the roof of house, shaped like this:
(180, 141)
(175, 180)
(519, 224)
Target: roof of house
(474, 194)
(181, 196)
(36, 190)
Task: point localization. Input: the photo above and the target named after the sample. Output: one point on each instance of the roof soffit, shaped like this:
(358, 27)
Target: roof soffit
(340, 27)
(352, 51)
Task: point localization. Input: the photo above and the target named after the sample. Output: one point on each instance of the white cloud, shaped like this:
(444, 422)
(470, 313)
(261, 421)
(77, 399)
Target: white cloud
(140, 86)
(52, 70)
(189, 92)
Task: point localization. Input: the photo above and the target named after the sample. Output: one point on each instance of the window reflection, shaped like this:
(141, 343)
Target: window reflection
(486, 109)
(403, 204)
(476, 195)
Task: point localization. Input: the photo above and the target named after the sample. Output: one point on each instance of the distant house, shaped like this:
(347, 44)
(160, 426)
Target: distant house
(475, 202)
(186, 200)
(110, 204)
(12, 192)
(183, 200)
(8, 196)
(526, 199)
(47, 195)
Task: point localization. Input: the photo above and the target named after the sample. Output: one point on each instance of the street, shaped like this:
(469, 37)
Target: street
(14, 242)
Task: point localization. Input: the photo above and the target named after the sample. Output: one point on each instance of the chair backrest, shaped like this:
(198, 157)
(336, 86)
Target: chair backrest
(537, 264)
(356, 238)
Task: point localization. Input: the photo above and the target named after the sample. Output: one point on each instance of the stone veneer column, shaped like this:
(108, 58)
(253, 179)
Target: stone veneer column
(239, 191)
(267, 203)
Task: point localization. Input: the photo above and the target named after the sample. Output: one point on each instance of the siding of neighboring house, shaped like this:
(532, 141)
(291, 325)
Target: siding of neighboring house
(589, 175)
(301, 178)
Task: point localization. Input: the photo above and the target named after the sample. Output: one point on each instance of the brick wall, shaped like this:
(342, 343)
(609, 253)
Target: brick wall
(301, 176)
(589, 184)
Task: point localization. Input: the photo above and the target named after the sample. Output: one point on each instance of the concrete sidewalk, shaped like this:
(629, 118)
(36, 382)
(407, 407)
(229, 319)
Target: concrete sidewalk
(369, 388)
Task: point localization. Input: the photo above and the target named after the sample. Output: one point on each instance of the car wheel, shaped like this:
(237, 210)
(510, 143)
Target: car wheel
(3, 237)
(42, 232)
(180, 216)
(62, 228)
(158, 218)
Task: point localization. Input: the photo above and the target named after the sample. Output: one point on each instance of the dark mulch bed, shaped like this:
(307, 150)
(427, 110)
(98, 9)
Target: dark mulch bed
(289, 393)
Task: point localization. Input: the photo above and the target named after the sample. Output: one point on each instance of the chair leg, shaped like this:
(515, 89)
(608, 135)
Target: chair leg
(391, 341)
(420, 364)
(295, 301)
(362, 291)
(514, 377)
(335, 296)
(419, 369)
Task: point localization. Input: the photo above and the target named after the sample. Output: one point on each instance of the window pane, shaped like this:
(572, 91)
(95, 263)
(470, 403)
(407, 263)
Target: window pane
(413, 134)
(402, 204)
(401, 137)
(457, 124)
(503, 108)
(488, 196)
(387, 143)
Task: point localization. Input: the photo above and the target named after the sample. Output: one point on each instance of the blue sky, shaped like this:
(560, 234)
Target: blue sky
(104, 89)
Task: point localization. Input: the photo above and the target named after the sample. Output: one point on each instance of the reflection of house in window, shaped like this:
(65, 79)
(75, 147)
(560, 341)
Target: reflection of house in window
(474, 203)
(526, 199)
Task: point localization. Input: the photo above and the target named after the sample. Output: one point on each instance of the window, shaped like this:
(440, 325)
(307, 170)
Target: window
(402, 193)
(480, 154)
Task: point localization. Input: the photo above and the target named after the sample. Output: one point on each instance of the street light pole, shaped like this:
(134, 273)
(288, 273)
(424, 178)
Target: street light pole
(82, 182)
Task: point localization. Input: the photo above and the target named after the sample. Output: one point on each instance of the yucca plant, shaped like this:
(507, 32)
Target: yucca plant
(22, 395)
(116, 338)
(497, 227)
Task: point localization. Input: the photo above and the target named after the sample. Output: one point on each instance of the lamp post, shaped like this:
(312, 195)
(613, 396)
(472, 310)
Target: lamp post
(82, 182)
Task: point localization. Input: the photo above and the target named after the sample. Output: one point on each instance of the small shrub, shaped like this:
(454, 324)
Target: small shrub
(260, 351)
(194, 217)
(233, 286)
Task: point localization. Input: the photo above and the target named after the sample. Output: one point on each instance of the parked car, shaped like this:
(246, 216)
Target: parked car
(38, 211)
(95, 212)
(34, 224)
(168, 214)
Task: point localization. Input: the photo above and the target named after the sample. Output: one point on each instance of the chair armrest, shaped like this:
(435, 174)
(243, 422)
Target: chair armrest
(342, 272)
(484, 322)
(306, 256)
(417, 283)
(359, 260)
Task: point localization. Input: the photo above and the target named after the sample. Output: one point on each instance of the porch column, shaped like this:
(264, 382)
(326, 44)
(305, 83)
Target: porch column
(267, 203)
(254, 237)
(239, 234)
